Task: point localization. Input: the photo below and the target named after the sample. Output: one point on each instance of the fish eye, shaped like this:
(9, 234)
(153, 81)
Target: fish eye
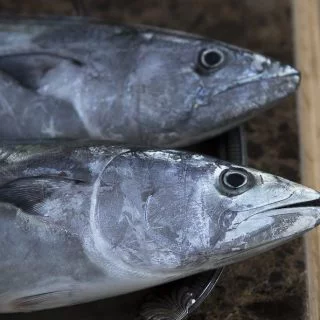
(234, 179)
(210, 58)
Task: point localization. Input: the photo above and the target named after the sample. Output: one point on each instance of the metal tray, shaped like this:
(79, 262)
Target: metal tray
(172, 301)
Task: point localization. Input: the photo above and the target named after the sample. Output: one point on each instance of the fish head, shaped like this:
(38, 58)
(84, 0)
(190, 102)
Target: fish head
(236, 84)
(203, 87)
(260, 211)
(175, 213)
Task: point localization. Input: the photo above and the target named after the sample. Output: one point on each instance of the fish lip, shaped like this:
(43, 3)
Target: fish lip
(307, 204)
(311, 200)
(307, 211)
(294, 75)
(219, 129)
(248, 247)
(302, 204)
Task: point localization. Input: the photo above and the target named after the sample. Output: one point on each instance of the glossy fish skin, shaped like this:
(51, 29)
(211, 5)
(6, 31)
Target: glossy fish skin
(131, 84)
(86, 221)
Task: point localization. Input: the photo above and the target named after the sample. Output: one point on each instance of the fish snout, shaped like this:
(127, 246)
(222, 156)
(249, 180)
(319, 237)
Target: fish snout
(274, 69)
(292, 217)
(260, 63)
(258, 230)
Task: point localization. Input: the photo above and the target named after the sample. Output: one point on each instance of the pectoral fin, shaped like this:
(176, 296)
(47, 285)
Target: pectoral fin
(27, 194)
(41, 301)
(29, 68)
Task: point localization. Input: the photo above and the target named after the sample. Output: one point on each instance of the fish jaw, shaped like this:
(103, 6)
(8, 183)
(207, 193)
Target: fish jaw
(266, 229)
(277, 81)
(264, 69)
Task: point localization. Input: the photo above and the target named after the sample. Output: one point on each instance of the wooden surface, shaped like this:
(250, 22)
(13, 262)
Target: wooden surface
(307, 47)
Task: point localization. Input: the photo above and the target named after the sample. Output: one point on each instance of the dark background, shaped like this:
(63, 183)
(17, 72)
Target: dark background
(270, 286)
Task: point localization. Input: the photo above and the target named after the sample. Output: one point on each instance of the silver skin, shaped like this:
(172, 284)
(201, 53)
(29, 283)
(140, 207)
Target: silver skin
(81, 222)
(133, 84)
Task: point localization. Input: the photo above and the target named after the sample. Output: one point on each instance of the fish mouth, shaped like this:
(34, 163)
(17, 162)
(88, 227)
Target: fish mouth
(267, 227)
(271, 228)
(282, 85)
(293, 79)
(301, 201)
(305, 216)
(306, 204)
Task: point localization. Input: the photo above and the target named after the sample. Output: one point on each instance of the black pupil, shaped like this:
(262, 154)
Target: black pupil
(235, 180)
(212, 58)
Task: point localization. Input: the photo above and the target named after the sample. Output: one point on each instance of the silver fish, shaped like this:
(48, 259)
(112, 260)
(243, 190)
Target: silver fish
(81, 221)
(134, 84)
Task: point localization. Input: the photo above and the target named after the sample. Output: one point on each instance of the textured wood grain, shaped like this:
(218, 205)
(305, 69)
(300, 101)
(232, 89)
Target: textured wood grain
(307, 45)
